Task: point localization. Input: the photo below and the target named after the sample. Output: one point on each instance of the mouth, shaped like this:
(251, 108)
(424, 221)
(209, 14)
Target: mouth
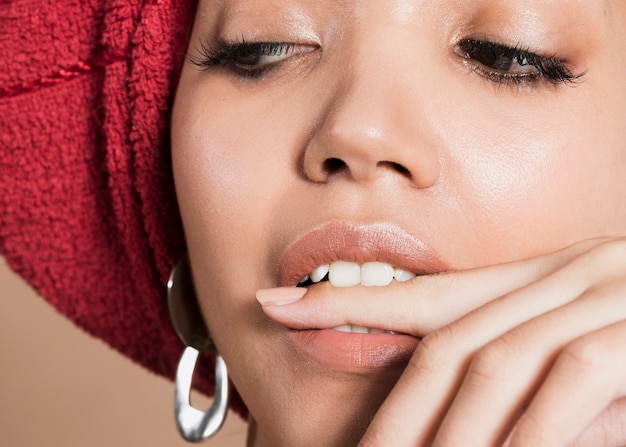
(346, 255)
(355, 353)
(349, 274)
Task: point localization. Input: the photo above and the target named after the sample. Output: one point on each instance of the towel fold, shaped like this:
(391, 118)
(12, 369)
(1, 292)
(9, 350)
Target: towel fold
(88, 213)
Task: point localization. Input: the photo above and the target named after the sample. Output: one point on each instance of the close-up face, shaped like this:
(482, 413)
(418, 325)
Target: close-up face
(426, 135)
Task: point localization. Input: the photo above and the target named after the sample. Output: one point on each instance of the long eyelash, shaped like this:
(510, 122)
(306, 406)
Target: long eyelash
(209, 57)
(550, 69)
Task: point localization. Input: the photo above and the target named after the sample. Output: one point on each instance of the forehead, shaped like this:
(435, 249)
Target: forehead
(599, 19)
(575, 9)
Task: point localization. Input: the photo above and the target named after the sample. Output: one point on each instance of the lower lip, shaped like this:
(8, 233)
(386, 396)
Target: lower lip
(354, 352)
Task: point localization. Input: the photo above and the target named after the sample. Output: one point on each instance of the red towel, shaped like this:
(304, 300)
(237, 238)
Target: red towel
(87, 208)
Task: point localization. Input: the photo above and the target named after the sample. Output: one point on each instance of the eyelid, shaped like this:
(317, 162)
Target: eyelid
(547, 68)
(286, 50)
(225, 55)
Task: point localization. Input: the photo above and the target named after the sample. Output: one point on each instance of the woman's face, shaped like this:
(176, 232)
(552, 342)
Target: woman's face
(430, 135)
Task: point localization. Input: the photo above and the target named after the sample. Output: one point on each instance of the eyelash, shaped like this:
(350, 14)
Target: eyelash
(477, 54)
(549, 69)
(227, 56)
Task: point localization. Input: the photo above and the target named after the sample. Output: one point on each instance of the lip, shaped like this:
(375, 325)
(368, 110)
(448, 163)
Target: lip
(333, 241)
(355, 353)
(336, 241)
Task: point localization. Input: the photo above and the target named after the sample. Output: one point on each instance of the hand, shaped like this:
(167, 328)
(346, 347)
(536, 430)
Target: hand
(531, 353)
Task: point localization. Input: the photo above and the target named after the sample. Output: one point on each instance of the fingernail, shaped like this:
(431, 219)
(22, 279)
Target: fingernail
(280, 296)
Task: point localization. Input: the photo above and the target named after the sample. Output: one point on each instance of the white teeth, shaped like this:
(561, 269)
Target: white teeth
(403, 275)
(355, 329)
(344, 274)
(348, 274)
(318, 274)
(376, 274)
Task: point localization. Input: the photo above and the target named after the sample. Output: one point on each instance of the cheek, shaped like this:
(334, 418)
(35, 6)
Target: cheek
(533, 185)
(223, 162)
(231, 168)
(224, 185)
(244, 146)
(500, 174)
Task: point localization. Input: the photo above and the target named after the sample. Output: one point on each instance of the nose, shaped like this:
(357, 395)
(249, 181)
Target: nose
(375, 124)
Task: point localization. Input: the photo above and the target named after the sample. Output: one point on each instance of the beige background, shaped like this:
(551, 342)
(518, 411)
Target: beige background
(60, 387)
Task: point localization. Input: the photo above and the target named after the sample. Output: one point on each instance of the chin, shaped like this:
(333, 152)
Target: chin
(332, 411)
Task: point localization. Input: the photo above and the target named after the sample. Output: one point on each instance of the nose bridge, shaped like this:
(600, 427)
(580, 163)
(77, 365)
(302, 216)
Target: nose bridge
(368, 106)
(374, 122)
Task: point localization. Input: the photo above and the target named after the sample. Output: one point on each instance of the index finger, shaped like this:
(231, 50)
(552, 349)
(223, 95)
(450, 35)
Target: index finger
(416, 307)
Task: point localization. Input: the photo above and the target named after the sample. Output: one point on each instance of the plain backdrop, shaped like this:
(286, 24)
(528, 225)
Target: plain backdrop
(61, 387)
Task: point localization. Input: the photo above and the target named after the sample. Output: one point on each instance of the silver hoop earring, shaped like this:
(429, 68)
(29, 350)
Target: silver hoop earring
(194, 425)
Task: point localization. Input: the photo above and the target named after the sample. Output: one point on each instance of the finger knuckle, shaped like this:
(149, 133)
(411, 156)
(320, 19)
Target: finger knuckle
(492, 362)
(607, 294)
(613, 425)
(608, 258)
(435, 350)
(608, 429)
(532, 431)
(589, 353)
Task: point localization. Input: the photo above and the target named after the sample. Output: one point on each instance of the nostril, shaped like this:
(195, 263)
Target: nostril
(397, 167)
(334, 165)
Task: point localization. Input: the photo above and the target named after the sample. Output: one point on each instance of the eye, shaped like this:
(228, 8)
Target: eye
(248, 59)
(498, 59)
(501, 63)
(259, 55)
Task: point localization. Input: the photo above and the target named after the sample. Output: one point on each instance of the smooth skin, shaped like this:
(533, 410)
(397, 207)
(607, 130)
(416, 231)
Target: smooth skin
(375, 114)
(480, 365)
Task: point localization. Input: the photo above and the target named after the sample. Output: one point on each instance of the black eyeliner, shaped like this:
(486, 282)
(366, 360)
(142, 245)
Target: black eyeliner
(550, 69)
(231, 56)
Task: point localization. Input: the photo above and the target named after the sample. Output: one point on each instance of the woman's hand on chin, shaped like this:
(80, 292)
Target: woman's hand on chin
(530, 353)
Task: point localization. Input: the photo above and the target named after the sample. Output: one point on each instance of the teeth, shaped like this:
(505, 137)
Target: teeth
(355, 329)
(344, 274)
(318, 274)
(376, 274)
(348, 274)
(403, 275)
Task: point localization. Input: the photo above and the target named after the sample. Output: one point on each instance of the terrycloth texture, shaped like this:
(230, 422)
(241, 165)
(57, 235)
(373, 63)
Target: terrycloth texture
(87, 208)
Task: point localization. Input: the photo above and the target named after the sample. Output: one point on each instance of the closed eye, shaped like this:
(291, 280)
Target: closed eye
(501, 64)
(248, 59)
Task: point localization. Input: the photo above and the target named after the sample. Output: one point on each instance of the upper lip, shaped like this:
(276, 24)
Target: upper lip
(334, 241)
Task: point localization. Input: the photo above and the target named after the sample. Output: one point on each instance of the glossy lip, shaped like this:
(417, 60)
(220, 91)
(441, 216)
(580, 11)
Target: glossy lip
(351, 352)
(354, 353)
(336, 241)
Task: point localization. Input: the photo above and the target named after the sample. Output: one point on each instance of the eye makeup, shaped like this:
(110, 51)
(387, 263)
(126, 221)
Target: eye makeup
(495, 62)
(247, 59)
(504, 64)
(494, 56)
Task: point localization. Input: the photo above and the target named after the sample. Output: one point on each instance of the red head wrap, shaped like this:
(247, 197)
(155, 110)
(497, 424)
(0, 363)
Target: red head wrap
(87, 208)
